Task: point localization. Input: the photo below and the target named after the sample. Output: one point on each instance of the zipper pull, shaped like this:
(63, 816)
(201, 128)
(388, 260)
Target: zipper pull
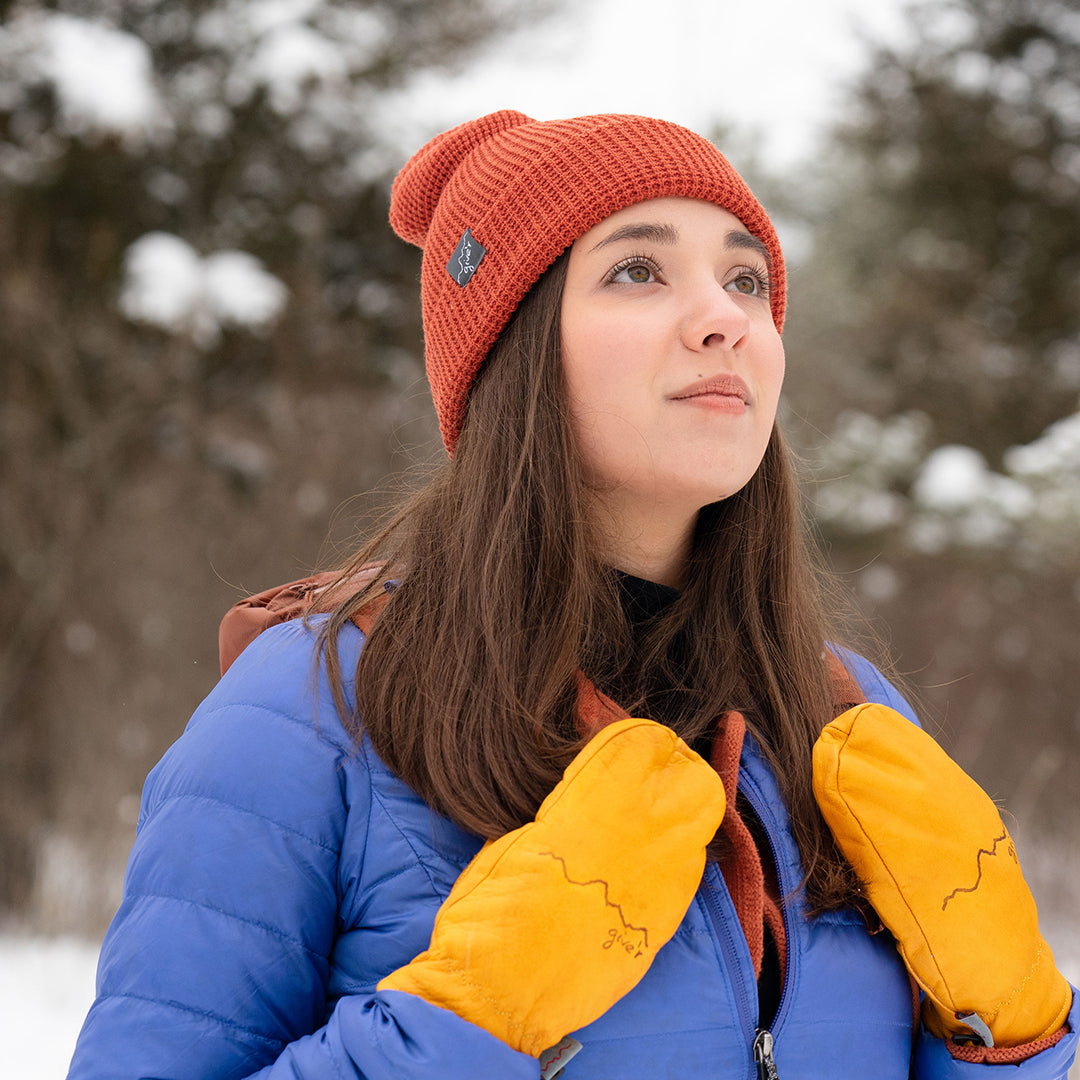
(763, 1056)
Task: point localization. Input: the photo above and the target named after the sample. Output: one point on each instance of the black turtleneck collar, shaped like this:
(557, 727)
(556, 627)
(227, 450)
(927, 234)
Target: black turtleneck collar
(643, 600)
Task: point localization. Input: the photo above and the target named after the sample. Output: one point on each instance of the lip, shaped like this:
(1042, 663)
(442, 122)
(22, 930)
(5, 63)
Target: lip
(725, 388)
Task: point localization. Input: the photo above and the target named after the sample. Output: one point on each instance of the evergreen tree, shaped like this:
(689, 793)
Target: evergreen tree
(202, 315)
(946, 271)
(934, 354)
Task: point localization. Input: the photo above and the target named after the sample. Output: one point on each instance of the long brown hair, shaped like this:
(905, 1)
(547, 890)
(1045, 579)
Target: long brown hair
(466, 686)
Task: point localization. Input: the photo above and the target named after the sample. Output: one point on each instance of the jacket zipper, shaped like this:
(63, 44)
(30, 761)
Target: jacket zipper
(734, 963)
(763, 1038)
(763, 1055)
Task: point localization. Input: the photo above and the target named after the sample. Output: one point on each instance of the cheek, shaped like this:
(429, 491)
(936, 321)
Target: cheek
(589, 338)
(598, 415)
(602, 418)
(773, 380)
(594, 362)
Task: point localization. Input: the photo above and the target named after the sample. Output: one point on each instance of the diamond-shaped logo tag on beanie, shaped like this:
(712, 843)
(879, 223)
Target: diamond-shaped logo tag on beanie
(466, 258)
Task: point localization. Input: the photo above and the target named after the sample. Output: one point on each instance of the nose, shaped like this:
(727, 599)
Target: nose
(714, 319)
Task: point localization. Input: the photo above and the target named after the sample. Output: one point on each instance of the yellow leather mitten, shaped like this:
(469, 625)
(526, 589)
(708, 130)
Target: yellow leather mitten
(941, 871)
(551, 924)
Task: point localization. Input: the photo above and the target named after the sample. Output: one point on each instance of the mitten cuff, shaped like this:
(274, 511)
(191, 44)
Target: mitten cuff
(1004, 1055)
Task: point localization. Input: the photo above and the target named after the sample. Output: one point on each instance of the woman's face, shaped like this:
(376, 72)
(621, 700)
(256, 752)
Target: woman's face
(672, 363)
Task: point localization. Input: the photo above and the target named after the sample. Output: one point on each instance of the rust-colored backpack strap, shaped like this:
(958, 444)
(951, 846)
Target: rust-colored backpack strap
(595, 710)
(741, 863)
(248, 618)
(846, 691)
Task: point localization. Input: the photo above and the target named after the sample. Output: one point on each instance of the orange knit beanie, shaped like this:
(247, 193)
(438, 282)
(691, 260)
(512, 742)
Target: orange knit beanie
(495, 201)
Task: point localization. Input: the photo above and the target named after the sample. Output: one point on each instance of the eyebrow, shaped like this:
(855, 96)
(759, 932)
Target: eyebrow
(669, 235)
(658, 234)
(739, 239)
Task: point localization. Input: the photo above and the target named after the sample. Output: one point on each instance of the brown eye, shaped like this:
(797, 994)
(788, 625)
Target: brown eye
(635, 270)
(750, 283)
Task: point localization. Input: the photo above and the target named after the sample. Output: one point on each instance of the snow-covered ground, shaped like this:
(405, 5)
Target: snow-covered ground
(46, 986)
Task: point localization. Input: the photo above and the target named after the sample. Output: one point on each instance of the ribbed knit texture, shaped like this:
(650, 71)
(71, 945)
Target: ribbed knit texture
(527, 190)
(1005, 1055)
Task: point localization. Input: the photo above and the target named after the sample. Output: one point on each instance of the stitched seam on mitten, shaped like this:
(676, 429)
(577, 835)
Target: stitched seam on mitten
(896, 885)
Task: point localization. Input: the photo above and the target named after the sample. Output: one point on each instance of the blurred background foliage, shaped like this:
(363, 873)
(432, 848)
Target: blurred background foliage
(210, 363)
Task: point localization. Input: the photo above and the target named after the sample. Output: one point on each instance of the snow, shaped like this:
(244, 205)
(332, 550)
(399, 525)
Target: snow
(239, 290)
(163, 281)
(264, 16)
(882, 474)
(698, 63)
(103, 77)
(952, 478)
(290, 57)
(957, 478)
(46, 987)
(1055, 453)
(292, 49)
(169, 285)
(864, 464)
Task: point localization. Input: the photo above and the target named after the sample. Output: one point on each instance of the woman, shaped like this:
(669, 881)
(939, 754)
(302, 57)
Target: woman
(700, 893)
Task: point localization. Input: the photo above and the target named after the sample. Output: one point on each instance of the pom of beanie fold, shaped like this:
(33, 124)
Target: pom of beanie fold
(526, 190)
(419, 186)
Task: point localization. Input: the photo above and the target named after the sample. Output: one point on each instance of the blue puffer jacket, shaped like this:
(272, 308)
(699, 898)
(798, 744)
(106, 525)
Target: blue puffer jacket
(279, 873)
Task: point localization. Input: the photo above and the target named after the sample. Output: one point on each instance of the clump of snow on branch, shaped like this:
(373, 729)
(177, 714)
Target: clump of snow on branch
(866, 465)
(311, 58)
(274, 48)
(102, 77)
(881, 476)
(1050, 468)
(1051, 461)
(168, 284)
(958, 499)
